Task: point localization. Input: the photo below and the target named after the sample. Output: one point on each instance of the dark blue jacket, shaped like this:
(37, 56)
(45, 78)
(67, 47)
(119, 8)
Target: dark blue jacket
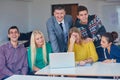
(114, 54)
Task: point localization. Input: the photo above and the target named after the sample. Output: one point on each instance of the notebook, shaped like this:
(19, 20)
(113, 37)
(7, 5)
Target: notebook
(62, 60)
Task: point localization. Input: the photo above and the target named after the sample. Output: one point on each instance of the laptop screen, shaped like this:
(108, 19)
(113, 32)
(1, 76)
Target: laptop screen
(62, 60)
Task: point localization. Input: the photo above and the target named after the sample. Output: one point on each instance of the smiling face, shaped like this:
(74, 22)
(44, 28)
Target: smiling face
(59, 14)
(83, 16)
(13, 35)
(104, 42)
(39, 40)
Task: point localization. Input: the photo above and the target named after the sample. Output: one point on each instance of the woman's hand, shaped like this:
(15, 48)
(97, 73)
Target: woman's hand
(71, 44)
(88, 39)
(72, 39)
(108, 61)
(89, 60)
(82, 63)
(35, 68)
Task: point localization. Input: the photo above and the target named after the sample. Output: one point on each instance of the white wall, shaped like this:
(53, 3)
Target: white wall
(13, 13)
(109, 15)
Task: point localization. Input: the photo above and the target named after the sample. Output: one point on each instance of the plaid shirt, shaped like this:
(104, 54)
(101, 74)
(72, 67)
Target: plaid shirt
(94, 29)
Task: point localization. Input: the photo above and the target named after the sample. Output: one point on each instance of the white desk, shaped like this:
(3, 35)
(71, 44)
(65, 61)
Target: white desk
(97, 69)
(23, 77)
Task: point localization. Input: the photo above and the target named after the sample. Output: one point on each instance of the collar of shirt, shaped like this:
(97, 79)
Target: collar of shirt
(11, 46)
(61, 22)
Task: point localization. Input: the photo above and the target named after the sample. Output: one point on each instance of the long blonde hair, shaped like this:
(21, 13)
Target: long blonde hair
(33, 47)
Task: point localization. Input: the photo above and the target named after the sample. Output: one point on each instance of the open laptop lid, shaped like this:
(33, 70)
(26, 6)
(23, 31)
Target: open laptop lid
(62, 60)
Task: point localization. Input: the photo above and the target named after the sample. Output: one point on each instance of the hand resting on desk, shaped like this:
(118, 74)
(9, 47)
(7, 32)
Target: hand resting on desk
(87, 64)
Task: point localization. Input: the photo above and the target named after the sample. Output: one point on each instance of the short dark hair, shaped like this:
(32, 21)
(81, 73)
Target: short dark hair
(82, 8)
(58, 7)
(13, 27)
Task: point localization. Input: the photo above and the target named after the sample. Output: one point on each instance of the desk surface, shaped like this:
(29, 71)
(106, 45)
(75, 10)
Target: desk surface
(26, 77)
(97, 69)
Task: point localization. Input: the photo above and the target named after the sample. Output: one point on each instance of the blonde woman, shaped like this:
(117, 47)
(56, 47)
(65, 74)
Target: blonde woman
(84, 50)
(38, 52)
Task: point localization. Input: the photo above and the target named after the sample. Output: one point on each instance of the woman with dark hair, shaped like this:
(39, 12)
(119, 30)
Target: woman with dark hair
(111, 51)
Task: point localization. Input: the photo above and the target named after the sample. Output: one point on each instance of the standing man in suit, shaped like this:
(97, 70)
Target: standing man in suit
(58, 27)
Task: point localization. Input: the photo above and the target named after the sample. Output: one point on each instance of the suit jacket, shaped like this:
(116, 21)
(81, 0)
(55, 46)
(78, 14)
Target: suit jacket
(55, 33)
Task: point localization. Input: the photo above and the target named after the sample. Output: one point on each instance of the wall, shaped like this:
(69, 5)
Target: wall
(109, 15)
(13, 13)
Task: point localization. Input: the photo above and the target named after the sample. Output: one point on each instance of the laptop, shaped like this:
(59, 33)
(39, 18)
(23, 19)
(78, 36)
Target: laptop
(62, 60)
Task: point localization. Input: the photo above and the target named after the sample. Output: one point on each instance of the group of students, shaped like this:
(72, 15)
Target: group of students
(86, 38)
